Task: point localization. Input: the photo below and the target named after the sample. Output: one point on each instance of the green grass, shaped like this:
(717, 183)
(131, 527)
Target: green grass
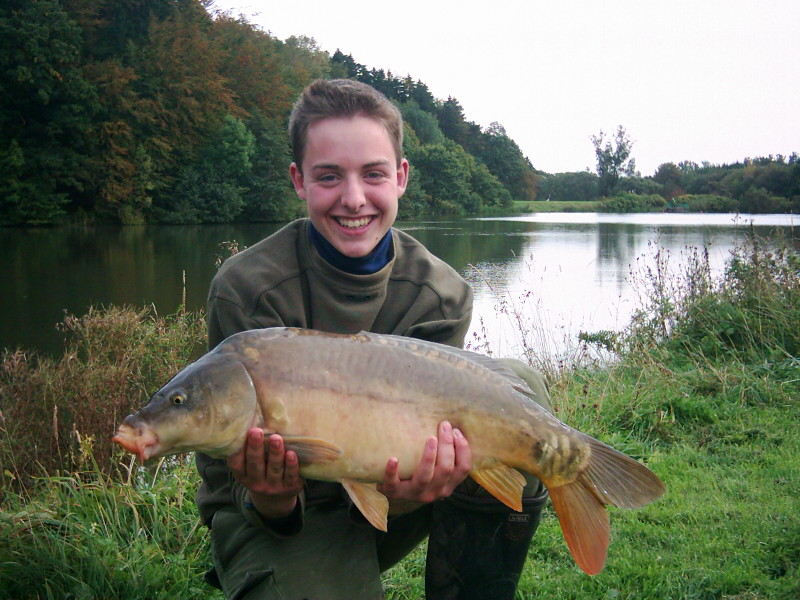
(728, 526)
(556, 206)
(706, 391)
(87, 536)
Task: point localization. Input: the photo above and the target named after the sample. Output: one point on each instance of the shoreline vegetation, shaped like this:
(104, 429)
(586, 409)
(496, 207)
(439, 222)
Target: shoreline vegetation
(654, 203)
(172, 112)
(704, 388)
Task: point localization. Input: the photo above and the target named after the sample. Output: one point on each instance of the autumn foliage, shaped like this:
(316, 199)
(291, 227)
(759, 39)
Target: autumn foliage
(136, 111)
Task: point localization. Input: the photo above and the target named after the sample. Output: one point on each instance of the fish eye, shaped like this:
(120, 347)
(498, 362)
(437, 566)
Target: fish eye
(177, 399)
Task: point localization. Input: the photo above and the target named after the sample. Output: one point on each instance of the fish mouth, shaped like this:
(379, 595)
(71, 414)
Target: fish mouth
(140, 440)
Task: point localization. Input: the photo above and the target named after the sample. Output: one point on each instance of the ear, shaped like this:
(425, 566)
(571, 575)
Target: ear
(296, 175)
(403, 173)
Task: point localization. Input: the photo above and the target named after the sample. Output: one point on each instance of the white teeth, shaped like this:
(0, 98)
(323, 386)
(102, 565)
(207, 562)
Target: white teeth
(354, 223)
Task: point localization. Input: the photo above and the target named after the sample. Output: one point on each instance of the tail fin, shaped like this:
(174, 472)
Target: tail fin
(610, 478)
(584, 521)
(618, 479)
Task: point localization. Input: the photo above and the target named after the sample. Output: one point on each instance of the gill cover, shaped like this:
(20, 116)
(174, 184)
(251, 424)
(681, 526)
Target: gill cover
(208, 407)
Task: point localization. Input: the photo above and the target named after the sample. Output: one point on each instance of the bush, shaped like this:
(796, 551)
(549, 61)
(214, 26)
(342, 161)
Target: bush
(54, 413)
(750, 315)
(705, 203)
(629, 202)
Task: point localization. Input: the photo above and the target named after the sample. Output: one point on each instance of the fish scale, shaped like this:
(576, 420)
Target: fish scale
(346, 403)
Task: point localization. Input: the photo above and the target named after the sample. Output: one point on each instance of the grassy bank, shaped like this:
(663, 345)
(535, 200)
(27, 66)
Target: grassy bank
(556, 206)
(631, 203)
(706, 391)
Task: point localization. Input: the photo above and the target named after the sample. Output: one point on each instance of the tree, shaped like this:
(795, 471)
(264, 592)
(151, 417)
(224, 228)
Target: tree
(486, 187)
(613, 159)
(505, 160)
(451, 121)
(424, 123)
(578, 186)
(343, 66)
(670, 176)
(212, 190)
(46, 111)
(302, 62)
(444, 173)
(420, 94)
(251, 63)
(268, 194)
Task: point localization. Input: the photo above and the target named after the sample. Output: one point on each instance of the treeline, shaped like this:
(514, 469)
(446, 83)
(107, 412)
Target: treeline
(762, 185)
(444, 146)
(138, 111)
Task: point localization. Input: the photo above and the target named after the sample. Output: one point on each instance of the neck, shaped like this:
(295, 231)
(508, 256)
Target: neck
(362, 265)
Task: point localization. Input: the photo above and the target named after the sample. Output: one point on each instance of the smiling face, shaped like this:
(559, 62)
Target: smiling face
(351, 181)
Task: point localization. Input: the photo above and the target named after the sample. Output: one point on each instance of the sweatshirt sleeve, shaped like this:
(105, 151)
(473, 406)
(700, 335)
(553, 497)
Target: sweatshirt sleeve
(226, 313)
(441, 310)
(445, 325)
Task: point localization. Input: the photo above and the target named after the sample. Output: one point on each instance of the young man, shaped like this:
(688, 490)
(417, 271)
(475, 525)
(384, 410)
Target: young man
(344, 269)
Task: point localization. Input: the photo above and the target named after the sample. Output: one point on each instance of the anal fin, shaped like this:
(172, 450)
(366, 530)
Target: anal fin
(312, 450)
(372, 504)
(502, 482)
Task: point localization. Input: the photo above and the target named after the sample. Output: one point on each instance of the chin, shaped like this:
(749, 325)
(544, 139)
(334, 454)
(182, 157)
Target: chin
(352, 251)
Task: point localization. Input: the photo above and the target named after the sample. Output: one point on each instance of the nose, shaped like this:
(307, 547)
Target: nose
(353, 197)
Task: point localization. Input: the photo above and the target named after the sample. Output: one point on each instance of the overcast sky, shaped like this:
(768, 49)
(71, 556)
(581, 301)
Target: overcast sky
(697, 80)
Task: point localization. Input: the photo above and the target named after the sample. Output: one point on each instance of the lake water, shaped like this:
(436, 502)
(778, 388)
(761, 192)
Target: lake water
(549, 275)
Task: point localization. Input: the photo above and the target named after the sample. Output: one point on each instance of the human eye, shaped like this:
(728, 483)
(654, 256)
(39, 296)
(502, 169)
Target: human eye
(375, 175)
(327, 178)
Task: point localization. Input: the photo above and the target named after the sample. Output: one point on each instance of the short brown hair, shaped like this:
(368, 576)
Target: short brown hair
(324, 98)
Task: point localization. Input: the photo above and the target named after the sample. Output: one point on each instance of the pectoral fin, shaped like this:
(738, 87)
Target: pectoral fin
(372, 504)
(312, 450)
(502, 482)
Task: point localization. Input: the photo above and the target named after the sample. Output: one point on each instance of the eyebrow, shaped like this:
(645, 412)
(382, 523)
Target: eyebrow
(369, 165)
(376, 163)
(324, 166)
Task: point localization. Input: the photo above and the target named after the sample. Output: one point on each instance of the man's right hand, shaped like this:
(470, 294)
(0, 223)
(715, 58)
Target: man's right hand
(271, 474)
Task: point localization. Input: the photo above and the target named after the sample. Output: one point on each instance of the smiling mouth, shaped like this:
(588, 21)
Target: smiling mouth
(354, 223)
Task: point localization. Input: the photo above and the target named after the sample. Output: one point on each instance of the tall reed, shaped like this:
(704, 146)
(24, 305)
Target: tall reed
(52, 410)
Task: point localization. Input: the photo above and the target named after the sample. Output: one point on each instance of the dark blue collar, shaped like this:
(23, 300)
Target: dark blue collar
(364, 265)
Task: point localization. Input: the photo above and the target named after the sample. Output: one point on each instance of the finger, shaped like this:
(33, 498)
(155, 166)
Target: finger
(275, 460)
(427, 464)
(254, 455)
(236, 462)
(391, 478)
(463, 452)
(446, 452)
(291, 470)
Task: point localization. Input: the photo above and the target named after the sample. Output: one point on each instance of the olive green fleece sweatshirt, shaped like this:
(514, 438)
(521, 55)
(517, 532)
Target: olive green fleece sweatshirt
(282, 282)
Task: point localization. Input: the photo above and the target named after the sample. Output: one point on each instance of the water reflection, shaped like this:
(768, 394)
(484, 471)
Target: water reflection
(574, 273)
(549, 274)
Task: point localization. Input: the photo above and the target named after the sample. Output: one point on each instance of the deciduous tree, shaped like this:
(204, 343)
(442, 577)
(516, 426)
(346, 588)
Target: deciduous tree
(46, 109)
(670, 177)
(613, 159)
